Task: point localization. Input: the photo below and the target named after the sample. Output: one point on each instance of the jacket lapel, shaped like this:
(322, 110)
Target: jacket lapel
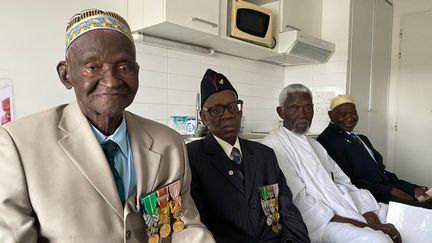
(219, 159)
(82, 147)
(146, 162)
(250, 167)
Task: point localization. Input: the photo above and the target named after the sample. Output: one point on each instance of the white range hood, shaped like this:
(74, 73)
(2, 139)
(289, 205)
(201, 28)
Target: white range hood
(296, 48)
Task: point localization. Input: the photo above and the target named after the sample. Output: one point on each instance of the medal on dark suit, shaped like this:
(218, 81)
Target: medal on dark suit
(270, 204)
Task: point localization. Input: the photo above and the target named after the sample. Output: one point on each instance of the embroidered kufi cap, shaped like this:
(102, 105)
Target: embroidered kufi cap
(94, 19)
(213, 82)
(339, 100)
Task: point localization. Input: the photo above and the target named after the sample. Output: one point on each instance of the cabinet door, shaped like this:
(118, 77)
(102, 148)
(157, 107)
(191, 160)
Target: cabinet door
(200, 15)
(304, 15)
(369, 67)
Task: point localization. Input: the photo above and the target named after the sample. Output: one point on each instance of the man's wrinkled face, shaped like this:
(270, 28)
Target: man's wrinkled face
(297, 112)
(102, 69)
(226, 126)
(344, 116)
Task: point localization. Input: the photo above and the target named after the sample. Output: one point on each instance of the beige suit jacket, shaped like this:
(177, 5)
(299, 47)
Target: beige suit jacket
(56, 184)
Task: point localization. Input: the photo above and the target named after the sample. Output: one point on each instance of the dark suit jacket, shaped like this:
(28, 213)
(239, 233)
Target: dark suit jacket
(356, 162)
(232, 210)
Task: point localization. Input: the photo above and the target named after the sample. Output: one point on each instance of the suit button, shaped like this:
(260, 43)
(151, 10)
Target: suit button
(128, 235)
(253, 207)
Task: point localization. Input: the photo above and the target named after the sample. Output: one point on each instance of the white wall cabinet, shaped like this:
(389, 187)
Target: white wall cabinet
(304, 15)
(369, 66)
(185, 20)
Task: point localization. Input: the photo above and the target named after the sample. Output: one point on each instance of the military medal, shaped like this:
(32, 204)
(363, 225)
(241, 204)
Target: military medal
(178, 226)
(150, 215)
(175, 205)
(163, 211)
(269, 202)
(153, 238)
(265, 204)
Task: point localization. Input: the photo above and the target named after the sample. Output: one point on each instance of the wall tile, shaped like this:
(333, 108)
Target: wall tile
(240, 63)
(259, 102)
(258, 126)
(149, 111)
(217, 59)
(151, 96)
(183, 110)
(267, 69)
(184, 56)
(299, 70)
(153, 79)
(330, 79)
(179, 97)
(259, 114)
(331, 67)
(142, 48)
(176, 66)
(183, 82)
(152, 62)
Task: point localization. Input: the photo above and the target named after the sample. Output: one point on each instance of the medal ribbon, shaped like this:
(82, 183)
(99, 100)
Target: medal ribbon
(174, 189)
(149, 203)
(162, 197)
(264, 193)
(276, 189)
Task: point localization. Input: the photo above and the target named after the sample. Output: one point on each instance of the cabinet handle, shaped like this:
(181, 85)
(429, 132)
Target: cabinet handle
(204, 21)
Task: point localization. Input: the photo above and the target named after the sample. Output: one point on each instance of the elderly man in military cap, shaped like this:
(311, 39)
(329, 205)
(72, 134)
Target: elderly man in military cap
(237, 185)
(89, 171)
(357, 157)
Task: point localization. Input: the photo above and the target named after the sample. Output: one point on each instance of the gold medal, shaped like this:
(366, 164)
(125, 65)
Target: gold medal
(276, 217)
(165, 230)
(154, 238)
(275, 228)
(162, 218)
(178, 226)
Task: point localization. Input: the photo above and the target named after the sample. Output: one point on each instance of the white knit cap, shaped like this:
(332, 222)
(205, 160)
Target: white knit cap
(339, 100)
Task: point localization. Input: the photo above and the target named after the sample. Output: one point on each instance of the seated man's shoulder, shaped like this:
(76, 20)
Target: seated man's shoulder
(325, 135)
(257, 145)
(196, 146)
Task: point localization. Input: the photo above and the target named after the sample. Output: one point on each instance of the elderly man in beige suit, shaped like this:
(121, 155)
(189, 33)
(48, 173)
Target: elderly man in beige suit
(90, 171)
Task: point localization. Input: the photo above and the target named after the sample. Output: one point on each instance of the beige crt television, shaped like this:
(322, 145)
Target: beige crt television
(250, 22)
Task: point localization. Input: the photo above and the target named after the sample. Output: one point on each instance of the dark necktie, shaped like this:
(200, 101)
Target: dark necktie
(356, 138)
(110, 149)
(235, 153)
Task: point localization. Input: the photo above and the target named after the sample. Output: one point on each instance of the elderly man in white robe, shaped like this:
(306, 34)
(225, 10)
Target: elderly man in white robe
(333, 209)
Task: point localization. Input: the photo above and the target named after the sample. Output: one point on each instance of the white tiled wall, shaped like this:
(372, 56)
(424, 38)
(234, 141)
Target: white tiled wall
(329, 79)
(170, 81)
(325, 81)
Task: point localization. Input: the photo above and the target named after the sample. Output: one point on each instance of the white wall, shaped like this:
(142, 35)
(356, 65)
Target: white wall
(32, 43)
(170, 81)
(400, 8)
(329, 79)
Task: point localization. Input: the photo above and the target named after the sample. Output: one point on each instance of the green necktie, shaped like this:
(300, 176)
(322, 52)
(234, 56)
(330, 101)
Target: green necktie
(110, 149)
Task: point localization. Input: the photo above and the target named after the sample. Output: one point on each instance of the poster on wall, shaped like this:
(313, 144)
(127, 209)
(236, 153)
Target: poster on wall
(5, 101)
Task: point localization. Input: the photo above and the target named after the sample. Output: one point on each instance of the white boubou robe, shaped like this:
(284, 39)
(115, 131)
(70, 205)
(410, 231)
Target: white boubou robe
(320, 188)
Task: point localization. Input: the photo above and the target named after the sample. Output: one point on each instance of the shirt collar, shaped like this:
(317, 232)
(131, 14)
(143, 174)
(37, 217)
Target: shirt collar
(119, 136)
(227, 148)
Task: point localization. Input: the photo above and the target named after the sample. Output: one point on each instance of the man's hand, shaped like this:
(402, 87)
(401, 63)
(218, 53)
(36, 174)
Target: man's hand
(401, 194)
(420, 191)
(389, 230)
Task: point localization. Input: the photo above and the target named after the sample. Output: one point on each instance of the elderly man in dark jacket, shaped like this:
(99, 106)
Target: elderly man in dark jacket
(357, 157)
